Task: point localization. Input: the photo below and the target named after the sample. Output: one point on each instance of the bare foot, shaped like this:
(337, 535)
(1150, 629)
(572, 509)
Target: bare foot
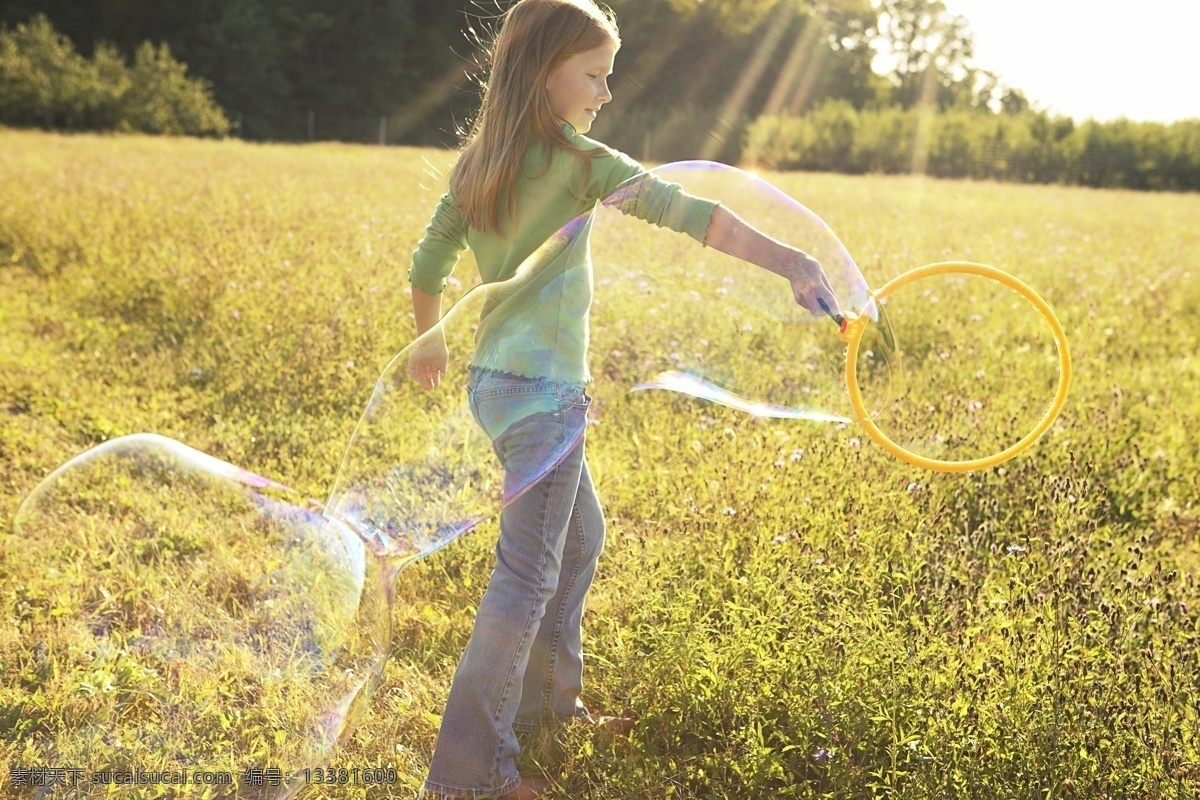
(617, 726)
(530, 789)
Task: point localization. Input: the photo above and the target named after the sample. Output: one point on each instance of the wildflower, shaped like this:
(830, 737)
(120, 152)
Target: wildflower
(822, 755)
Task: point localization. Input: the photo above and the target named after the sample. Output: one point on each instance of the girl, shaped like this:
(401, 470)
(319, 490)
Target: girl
(525, 171)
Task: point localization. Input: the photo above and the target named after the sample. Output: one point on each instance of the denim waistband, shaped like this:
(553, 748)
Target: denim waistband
(499, 380)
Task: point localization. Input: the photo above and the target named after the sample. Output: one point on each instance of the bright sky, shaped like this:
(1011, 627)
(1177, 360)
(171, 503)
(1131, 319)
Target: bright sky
(1101, 59)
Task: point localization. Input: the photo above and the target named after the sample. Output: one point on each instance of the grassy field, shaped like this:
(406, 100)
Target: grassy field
(855, 628)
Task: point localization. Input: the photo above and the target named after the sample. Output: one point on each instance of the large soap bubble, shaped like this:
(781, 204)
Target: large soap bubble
(196, 617)
(201, 617)
(676, 317)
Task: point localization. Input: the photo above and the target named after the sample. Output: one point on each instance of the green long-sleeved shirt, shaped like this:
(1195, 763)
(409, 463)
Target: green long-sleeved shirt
(537, 326)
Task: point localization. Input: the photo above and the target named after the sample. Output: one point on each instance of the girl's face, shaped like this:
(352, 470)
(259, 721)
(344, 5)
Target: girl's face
(579, 86)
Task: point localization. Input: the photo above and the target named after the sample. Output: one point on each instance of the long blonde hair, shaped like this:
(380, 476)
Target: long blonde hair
(535, 37)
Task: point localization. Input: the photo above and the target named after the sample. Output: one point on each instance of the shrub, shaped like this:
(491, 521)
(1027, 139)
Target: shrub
(44, 82)
(41, 75)
(1026, 146)
(162, 99)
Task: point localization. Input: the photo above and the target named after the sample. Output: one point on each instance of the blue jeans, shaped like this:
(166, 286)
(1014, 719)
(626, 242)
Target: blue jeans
(523, 666)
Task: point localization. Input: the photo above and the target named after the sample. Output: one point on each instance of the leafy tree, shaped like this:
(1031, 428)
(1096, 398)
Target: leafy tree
(41, 75)
(103, 97)
(738, 17)
(343, 58)
(237, 48)
(932, 51)
(162, 99)
(1013, 101)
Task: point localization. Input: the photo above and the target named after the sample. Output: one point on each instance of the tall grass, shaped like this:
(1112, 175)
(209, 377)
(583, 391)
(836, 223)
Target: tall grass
(788, 617)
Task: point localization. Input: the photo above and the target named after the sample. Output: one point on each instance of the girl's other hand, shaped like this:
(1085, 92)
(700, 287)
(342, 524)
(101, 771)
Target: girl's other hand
(811, 287)
(428, 360)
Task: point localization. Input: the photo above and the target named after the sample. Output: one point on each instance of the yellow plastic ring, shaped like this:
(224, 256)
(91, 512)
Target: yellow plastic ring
(853, 332)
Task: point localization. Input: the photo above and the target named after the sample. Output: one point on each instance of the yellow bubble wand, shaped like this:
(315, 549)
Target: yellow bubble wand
(852, 327)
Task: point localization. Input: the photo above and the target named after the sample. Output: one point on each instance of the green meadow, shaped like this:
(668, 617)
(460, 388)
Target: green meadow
(788, 616)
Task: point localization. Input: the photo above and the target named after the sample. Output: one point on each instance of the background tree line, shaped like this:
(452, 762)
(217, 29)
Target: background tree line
(1025, 146)
(720, 79)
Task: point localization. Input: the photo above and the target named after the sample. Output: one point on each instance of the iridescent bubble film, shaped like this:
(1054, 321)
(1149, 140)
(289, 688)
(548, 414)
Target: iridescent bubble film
(199, 617)
(722, 329)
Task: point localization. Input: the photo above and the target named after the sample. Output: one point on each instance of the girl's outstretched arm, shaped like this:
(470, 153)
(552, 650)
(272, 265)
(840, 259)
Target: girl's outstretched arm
(731, 234)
